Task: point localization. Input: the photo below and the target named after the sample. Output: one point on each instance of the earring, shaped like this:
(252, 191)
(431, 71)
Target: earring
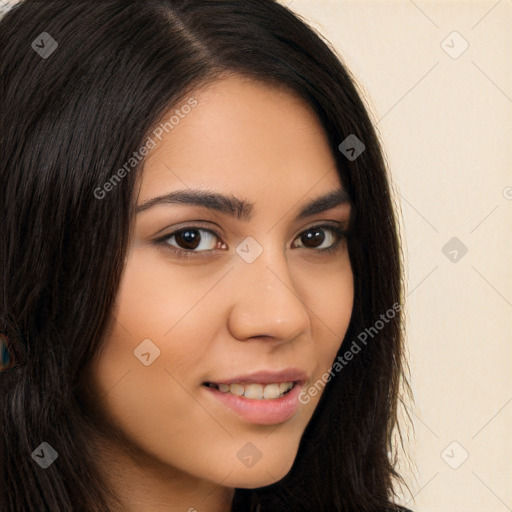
(5, 356)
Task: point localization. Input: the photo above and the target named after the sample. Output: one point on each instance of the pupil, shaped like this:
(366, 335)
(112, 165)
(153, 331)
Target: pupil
(313, 236)
(188, 239)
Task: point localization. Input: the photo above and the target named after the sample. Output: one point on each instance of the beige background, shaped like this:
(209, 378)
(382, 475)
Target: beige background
(446, 125)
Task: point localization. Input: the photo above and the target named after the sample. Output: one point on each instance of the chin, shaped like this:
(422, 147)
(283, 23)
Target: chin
(261, 475)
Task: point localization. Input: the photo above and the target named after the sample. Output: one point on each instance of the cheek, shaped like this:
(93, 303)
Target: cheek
(154, 294)
(137, 372)
(330, 301)
(330, 298)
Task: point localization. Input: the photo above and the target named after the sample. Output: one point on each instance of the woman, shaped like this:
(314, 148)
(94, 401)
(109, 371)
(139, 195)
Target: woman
(201, 284)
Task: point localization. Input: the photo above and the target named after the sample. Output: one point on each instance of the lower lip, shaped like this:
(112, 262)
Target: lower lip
(261, 412)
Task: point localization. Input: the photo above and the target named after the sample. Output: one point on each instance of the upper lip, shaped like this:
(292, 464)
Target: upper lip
(267, 377)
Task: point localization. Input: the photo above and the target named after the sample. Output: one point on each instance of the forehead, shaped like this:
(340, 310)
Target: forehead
(243, 137)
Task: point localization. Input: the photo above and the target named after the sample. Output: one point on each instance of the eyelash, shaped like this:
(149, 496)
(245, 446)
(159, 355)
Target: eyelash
(184, 253)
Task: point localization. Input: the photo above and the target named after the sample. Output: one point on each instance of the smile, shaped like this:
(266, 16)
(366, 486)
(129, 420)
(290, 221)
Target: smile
(254, 391)
(259, 410)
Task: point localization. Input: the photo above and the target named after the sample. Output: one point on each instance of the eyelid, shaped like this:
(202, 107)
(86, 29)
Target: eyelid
(181, 226)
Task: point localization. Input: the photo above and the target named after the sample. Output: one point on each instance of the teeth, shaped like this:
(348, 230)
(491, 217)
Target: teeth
(236, 389)
(285, 386)
(254, 391)
(271, 391)
(257, 391)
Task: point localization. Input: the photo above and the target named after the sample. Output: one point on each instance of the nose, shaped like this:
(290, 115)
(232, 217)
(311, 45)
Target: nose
(266, 303)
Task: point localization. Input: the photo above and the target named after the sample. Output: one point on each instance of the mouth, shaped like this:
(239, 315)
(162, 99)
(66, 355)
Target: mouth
(261, 398)
(254, 391)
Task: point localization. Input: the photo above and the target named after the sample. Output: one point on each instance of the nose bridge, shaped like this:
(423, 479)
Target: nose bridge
(267, 302)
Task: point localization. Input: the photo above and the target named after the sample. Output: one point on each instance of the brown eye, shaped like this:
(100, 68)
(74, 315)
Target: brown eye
(195, 241)
(190, 239)
(320, 238)
(313, 238)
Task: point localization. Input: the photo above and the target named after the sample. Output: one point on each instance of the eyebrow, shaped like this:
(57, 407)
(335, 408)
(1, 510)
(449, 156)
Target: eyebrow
(240, 208)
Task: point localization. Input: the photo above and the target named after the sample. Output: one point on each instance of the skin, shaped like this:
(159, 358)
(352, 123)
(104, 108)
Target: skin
(216, 316)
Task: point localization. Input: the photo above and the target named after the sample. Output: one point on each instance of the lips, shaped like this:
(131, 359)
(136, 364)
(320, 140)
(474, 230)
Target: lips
(265, 377)
(264, 397)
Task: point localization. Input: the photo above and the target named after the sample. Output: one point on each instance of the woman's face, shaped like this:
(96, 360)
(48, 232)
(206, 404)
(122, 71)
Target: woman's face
(249, 299)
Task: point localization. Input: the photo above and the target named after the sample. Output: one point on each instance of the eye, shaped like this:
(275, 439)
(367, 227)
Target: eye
(193, 239)
(321, 238)
(196, 241)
